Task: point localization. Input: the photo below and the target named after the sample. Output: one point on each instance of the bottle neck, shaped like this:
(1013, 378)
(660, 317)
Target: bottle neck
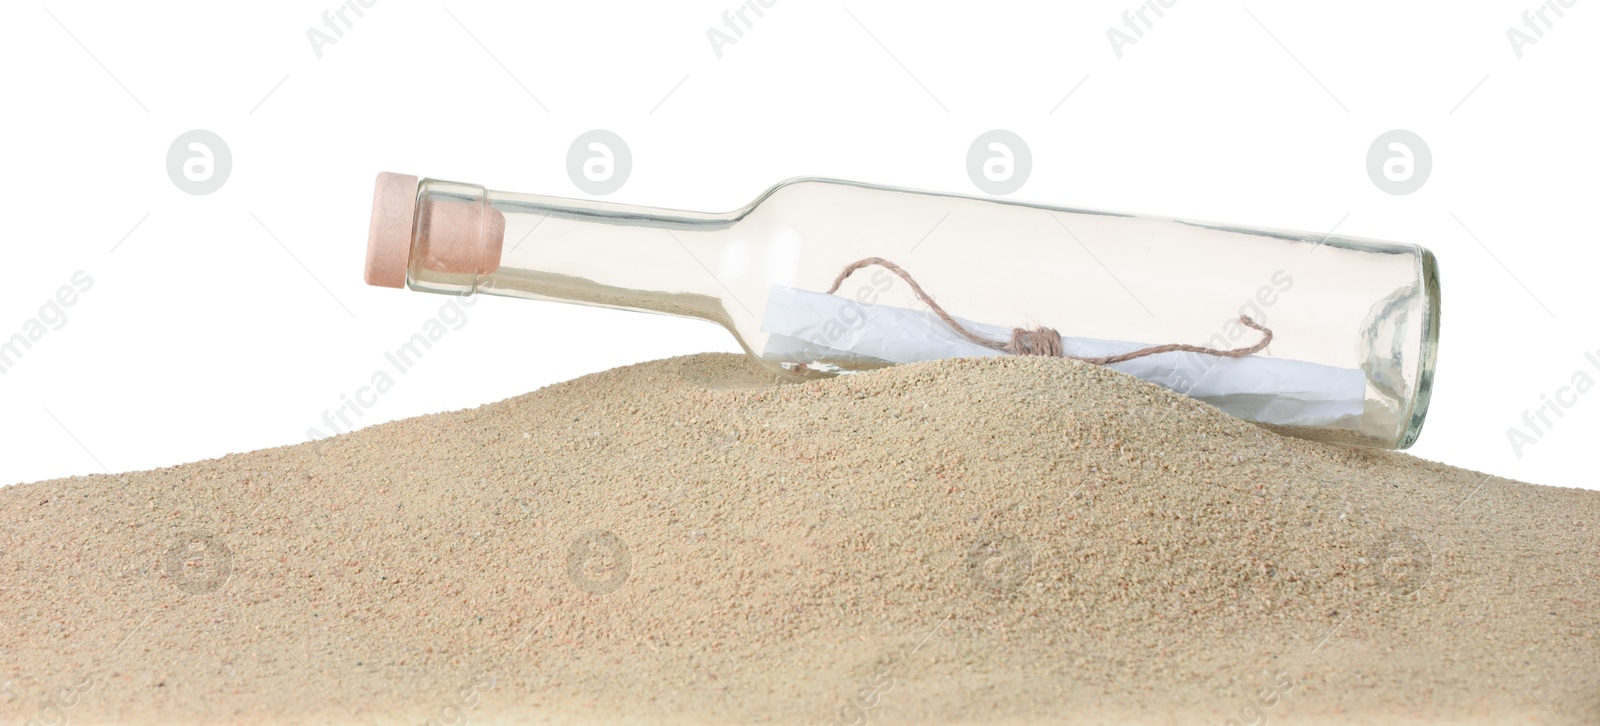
(606, 254)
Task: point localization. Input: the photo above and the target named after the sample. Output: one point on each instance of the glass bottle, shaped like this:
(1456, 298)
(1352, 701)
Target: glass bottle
(1353, 323)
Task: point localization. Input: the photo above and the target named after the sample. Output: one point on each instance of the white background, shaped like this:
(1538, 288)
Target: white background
(204, 333)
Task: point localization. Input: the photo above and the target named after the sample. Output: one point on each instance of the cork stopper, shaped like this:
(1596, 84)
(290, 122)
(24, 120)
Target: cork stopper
(394, 207)
(450, 236)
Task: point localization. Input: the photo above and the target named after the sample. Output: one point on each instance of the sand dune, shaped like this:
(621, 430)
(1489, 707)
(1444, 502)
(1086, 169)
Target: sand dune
(684, 541)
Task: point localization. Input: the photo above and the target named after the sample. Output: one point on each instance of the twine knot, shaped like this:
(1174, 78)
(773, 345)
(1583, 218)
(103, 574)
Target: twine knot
(1039, 341)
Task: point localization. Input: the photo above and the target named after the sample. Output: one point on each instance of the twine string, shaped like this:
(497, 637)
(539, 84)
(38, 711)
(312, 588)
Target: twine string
(1047, 341)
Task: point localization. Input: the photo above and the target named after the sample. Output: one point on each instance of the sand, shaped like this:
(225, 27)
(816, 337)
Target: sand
(685, 541)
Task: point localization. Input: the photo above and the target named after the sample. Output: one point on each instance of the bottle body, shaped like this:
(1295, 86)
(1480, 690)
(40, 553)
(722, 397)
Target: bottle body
(1361, 316)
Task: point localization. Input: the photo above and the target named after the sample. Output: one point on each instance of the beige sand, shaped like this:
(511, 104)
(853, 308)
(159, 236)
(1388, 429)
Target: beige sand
(992, 541)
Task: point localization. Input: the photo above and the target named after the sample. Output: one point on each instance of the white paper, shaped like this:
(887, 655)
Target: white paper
(806, 326)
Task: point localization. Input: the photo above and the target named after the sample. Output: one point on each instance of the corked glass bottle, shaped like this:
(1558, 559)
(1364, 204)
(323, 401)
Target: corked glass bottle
(1325, 337)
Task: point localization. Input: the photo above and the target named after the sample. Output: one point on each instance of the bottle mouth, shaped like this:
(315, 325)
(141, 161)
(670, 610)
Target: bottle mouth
(434, 228)
(1429, 354)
